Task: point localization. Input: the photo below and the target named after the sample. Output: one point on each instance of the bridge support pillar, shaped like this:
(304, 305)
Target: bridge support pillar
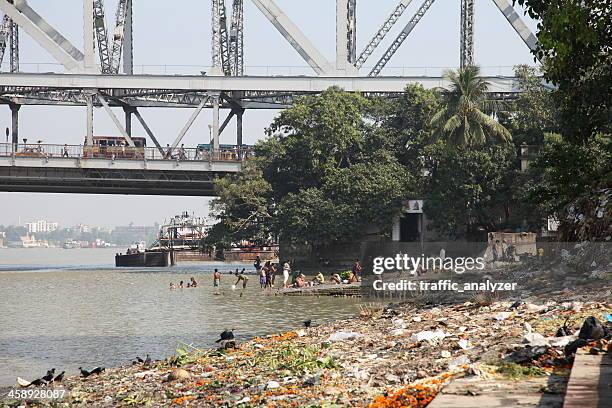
(215, 124)
(128, 120)
(90, 119)
(239, 113)
(15, 125)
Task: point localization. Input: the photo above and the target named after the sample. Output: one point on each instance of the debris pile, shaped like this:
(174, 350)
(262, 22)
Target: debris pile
(388, 356)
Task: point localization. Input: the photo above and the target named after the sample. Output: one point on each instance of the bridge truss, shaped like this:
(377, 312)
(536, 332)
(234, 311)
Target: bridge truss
(109, 81)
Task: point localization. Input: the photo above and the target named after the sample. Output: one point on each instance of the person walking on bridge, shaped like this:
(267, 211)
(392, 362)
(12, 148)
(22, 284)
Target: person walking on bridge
(65, 153)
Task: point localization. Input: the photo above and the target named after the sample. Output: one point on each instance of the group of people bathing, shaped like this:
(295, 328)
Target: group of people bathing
(192, 283)
(267, 276)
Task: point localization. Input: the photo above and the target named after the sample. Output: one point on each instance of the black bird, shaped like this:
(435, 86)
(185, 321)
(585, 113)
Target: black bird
(49, 376)
(38, 381)
(96, 370)
(307, 323)
(227, 335)
(516, 304)
(147, 361)
(59, 377)
(140, 360)
(84, 373)
(592, 329)
(563, 331)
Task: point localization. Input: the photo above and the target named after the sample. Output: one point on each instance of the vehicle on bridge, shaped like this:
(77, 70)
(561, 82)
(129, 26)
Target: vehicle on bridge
(30, 151)
(115, 147)
(226, 151)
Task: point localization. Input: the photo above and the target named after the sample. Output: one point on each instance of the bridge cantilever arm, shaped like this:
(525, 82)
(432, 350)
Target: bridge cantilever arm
(149, 132)
(294, 36)
(515, 21)
(44, 34)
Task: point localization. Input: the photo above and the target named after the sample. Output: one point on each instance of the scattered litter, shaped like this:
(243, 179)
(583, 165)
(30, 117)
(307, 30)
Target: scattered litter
(459, 361)
(428, 335)
(502, 315)
(464, 344)
(342, 335)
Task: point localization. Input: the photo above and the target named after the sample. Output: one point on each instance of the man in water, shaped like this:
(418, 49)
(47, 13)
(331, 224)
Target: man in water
(257, 264)
(216, 278)
(357, 269)
(242, 277)
(194, 283)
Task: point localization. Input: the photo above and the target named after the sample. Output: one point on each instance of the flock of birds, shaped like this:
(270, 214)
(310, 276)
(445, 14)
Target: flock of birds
(226, 340)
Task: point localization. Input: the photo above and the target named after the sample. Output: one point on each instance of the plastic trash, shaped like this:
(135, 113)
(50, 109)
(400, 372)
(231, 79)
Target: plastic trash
(342, 335)
(428, 335)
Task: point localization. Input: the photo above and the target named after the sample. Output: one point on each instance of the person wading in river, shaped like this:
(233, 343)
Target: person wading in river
(286, 273)
(242, 277)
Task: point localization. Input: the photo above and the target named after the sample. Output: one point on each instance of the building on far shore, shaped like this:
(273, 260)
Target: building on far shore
(41, 226)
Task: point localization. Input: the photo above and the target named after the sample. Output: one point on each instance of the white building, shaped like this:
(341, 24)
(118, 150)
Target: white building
(41, 226)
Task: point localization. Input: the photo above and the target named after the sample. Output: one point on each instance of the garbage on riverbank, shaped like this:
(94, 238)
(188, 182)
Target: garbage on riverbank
(394, 356)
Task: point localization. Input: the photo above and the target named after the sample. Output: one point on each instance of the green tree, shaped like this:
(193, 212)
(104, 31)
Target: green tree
(404, 125)
(574, 42)
(350, 201)
(564, 172)
(462, 120)
(243, 208)
(316, 134)
(468, 190)
(534, 112)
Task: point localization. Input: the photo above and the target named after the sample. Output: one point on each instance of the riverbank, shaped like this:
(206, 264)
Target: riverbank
(388, 356)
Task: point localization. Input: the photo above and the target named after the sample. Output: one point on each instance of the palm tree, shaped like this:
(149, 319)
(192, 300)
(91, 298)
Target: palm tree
(463, 121)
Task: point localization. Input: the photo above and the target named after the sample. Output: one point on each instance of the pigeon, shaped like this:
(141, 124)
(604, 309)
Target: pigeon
(226, 336)
(59, 377)
(563, 331)
(84, 373)
(25, 383)
(49, 376)
(147, 361)
(38, 382)
(592, 329)
(227, 339)
(307, 323)
(516, 304)
(96, 370)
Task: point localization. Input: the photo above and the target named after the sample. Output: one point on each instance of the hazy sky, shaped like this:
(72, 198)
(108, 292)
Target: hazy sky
(174, 37)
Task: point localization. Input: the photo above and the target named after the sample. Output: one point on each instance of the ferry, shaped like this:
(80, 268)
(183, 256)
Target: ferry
(181, 240)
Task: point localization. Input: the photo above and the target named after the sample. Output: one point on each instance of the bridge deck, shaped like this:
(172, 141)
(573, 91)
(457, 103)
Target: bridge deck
(38, 170)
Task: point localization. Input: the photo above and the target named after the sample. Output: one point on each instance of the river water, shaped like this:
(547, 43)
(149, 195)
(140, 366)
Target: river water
(70, 308)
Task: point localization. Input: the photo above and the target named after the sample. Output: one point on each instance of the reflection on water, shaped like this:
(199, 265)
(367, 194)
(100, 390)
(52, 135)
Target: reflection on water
(68, 317)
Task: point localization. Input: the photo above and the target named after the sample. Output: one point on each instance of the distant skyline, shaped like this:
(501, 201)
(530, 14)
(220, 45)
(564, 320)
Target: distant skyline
(171, 39)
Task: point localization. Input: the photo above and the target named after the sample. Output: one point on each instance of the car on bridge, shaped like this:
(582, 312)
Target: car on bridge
(115, 147)
(226, 151)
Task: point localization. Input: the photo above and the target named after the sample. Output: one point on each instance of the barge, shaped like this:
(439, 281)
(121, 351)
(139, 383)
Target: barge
(180, 240)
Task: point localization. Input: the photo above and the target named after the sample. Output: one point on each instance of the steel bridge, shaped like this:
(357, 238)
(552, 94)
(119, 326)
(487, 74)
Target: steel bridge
(102, 75)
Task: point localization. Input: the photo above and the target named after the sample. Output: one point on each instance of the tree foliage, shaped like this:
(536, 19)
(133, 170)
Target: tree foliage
(563, 171)
(243, 208)
(575, 44)
(463, 118)
(534, 112)
(468, 189)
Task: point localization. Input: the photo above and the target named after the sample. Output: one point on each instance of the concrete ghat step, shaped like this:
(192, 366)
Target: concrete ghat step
(471, 393)
(590, 384)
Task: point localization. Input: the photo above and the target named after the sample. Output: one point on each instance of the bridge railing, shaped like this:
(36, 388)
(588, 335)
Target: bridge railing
(230, 154)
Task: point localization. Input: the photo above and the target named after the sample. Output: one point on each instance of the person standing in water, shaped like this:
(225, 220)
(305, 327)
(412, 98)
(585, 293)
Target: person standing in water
(216, 278)
(242, 277)
(263, 279)
(286, 273)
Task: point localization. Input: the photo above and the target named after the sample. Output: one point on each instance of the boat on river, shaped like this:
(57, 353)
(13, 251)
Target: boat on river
(181, 239)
